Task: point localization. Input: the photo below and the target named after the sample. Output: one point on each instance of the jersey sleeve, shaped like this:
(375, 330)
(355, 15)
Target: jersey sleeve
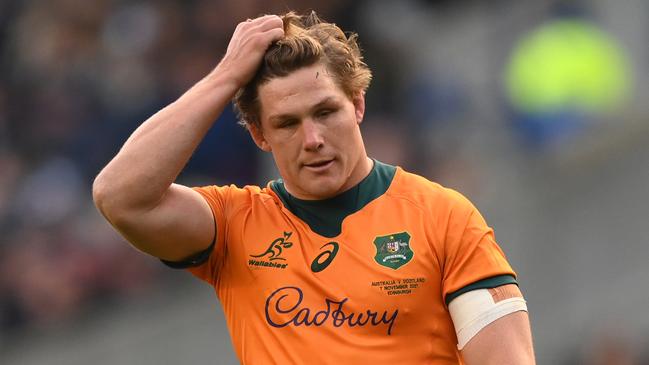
(218, 198)
(223, 201)
(472, 258)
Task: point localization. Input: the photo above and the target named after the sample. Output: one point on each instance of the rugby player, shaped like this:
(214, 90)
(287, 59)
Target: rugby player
(344, 259)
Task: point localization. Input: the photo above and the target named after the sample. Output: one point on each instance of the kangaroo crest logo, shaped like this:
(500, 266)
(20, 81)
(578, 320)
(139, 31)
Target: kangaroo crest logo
(274, 250)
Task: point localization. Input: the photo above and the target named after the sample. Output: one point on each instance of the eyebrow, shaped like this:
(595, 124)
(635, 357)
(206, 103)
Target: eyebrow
(326, 100)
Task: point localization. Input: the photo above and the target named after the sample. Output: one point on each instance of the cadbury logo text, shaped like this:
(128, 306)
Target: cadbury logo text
(283, 309)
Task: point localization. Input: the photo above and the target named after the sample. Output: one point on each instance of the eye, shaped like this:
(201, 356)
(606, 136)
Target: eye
(287, 123)
(322, 113)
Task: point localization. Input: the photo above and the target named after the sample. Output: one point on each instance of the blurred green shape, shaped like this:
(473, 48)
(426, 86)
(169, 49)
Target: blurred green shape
(567, 64)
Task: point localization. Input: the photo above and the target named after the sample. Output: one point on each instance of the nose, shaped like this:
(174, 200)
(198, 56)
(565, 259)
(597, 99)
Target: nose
(312, 135)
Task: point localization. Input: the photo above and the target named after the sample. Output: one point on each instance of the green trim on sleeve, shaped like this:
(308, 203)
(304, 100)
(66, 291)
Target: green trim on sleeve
(198, 258)
(489, 283)
(192, 261)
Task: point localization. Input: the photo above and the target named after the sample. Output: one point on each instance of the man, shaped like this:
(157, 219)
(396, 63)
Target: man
(343, 260)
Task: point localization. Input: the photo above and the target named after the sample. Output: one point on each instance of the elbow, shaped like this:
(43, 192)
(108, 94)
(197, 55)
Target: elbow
(100, 195)
(118, 204)
(107, 200)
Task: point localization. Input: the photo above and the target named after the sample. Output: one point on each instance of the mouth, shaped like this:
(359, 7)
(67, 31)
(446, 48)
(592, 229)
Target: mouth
(318, 165)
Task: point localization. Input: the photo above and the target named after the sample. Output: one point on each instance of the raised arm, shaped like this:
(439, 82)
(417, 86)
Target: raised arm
(136, 191)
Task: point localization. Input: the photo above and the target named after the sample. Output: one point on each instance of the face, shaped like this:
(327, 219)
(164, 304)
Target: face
(312, 129)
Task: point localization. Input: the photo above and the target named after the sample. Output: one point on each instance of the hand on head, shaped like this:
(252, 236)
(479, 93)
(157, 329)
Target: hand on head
(248, 45)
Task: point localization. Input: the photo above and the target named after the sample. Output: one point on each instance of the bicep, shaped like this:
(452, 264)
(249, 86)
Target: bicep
(507, 340)
(179, 226)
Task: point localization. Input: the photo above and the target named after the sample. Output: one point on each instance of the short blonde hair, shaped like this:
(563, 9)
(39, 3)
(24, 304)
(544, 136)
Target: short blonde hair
(307, 41)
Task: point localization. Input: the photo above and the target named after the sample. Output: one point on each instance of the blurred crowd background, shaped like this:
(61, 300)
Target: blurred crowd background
(536, 110)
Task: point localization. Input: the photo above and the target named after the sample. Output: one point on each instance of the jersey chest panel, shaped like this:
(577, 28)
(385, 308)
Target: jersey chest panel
(379, 276)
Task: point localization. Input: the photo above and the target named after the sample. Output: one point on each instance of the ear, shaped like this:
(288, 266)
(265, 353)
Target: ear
(359, 106)
(258, 136)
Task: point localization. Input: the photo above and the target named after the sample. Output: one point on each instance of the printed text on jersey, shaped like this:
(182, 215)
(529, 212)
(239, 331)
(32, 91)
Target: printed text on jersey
(283, 308)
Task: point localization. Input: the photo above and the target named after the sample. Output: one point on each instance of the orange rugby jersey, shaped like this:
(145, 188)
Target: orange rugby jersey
(361, 278)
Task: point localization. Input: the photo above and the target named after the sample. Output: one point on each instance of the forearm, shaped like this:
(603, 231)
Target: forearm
(155, 154)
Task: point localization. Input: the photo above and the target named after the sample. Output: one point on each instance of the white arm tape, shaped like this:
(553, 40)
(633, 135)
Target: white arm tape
(474, 310)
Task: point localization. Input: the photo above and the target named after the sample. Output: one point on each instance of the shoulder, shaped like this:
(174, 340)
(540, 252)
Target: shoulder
(427, 193)
(229, 190)
(232, 196)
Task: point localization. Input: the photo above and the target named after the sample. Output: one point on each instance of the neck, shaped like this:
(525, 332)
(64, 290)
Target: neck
(325, 216)
(359, 172)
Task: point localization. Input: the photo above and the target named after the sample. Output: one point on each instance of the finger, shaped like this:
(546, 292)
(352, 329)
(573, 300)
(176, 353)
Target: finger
(253, 25)
(256, 21)
(262, 18)
(239, 26)
(269, 24)
(273, 35)
(264, 23)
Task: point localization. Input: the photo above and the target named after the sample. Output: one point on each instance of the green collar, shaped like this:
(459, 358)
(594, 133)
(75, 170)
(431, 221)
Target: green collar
(325, 217)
